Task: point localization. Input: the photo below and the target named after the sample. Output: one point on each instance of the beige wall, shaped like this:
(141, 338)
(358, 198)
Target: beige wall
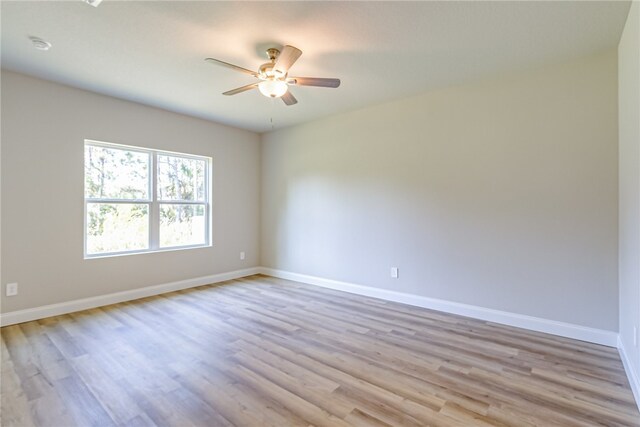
(501, 194)
(629, 117)
(43, 130)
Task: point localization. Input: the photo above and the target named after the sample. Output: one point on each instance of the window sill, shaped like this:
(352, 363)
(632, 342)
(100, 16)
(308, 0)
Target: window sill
(146, 251)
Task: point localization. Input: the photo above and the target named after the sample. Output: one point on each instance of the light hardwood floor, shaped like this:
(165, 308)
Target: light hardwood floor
(266, 352)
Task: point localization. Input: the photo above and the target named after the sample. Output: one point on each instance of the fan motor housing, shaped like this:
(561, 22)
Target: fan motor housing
(266, 71)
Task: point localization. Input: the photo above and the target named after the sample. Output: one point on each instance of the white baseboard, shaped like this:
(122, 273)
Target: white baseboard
(568, 330)
(632, 374)
(563, 329)
(27, 315)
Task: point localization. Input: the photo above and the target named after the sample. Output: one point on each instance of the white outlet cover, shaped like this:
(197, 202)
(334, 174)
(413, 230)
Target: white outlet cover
(241, 255)
(394, 272)
(12, 289)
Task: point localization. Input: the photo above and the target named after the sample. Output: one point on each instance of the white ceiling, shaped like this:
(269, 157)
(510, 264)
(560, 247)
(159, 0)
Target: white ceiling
(153, 51)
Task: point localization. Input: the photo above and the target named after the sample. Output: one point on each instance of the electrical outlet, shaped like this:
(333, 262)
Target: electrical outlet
(394, 272)
(12, 289)
(635, 336)
(242, 255)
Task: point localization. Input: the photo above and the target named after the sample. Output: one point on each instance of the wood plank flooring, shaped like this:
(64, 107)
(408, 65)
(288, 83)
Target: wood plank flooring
(267, 352)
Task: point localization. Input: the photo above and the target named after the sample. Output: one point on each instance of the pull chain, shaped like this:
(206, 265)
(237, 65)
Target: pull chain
(273, 107)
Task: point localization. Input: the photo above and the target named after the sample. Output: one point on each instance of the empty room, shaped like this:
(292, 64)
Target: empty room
(320, 213)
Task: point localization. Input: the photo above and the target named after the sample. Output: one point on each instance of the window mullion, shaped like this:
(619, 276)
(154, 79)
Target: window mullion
(154, 211)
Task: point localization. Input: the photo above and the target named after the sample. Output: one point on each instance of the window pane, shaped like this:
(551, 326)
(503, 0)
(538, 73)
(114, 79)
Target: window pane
(117, 227)
(112, 173)
(182, 225)
(180, 178)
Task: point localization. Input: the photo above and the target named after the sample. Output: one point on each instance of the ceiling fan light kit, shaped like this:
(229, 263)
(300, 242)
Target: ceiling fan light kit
(274, 75)
(273, 88)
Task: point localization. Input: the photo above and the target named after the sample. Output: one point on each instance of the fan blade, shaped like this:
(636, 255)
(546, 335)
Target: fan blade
(288, 98)
(314, 81)
(287, 58)
(241, 89)
(233, 67)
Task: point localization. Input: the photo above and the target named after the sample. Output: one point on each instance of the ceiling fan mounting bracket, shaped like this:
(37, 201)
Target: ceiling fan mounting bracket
(273, 53)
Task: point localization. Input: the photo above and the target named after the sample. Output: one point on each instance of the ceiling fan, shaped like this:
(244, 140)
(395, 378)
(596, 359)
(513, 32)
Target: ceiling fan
(274, 75)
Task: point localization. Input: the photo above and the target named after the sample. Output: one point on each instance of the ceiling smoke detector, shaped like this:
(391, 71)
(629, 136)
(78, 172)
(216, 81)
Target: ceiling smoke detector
(40, 44)
(94, 3)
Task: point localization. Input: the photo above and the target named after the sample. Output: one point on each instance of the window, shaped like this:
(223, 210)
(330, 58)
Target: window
(139, 200)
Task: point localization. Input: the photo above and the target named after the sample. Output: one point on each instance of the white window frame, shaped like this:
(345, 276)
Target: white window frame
(152, 202)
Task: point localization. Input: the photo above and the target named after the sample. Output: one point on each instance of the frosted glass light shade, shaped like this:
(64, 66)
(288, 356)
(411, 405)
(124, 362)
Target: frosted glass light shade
(273, 88)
